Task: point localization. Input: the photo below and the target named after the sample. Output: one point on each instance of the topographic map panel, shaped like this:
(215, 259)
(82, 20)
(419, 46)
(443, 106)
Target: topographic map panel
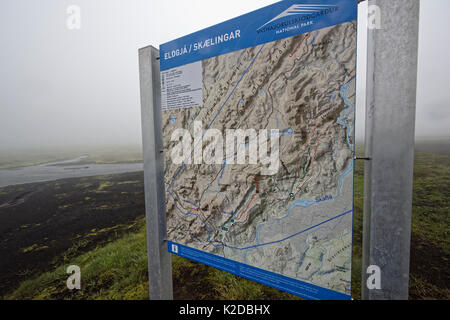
(291, 229)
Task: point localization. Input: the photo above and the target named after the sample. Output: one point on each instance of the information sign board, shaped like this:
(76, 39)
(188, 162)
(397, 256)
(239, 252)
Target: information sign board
(258, 130)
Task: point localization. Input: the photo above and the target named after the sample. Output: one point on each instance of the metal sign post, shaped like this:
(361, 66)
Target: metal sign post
(159, 259)
(390, 133)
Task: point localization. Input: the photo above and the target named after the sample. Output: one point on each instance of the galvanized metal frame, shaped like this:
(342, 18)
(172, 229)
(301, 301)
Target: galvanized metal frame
(390, 140)
(159, 258)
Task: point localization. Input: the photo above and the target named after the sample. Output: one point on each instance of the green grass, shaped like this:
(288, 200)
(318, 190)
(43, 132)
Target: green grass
(431, 210)
(118, 271)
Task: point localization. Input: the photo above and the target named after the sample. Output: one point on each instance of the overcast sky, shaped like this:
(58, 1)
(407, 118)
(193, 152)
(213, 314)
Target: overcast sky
(62, 87)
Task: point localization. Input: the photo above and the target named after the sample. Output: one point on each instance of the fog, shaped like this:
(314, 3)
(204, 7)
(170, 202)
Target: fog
(61, 87)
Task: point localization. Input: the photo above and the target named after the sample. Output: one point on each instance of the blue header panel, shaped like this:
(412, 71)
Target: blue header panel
(278, 21)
